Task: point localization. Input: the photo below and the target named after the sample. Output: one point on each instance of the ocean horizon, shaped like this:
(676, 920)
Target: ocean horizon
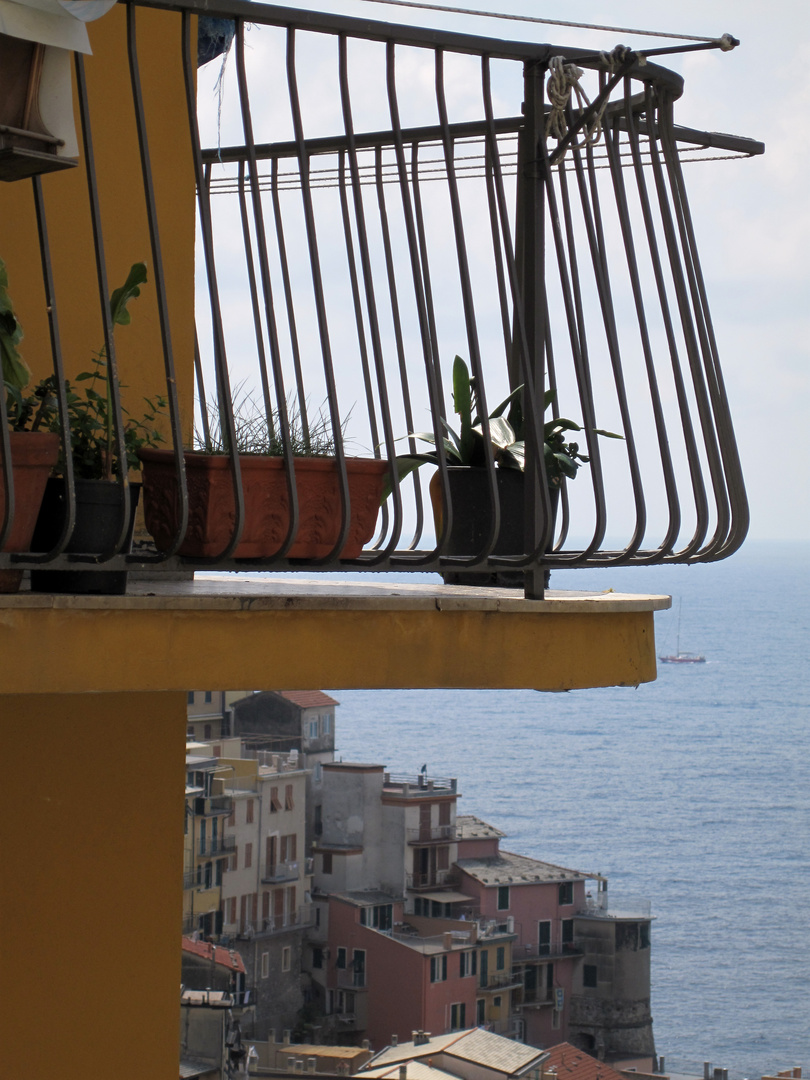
(692, 792)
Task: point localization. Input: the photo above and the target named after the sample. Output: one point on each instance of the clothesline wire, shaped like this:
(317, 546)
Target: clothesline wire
(538, 19)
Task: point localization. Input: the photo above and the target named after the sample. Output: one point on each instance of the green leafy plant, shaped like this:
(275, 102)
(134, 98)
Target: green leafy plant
(90, 412)
(466, 447)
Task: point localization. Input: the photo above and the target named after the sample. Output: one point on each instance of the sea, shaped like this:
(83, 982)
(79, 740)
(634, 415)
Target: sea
(692, 791)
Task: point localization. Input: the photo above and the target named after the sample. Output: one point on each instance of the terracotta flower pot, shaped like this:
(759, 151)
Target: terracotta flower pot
(33, 455)
(267, 513)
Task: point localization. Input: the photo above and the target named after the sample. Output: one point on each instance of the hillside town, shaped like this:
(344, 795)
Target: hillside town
(343, 906)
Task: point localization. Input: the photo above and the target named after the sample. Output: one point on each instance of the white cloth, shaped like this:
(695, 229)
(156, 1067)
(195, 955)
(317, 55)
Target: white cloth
(52, 22)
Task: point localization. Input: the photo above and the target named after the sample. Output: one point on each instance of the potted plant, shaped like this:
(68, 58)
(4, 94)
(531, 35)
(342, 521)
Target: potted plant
(96, 465)
(33, 453)
(212, 506)
(467, 477)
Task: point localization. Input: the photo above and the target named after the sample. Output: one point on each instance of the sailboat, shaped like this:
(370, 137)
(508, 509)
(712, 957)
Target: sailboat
(682, 657)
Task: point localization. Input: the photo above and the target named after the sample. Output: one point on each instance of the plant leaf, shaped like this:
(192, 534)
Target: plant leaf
(404, 465)
(128, 291)
(462, 404)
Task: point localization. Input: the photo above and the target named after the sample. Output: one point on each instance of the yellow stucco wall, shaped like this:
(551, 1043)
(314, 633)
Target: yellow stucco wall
(123, 213)
(91, 835)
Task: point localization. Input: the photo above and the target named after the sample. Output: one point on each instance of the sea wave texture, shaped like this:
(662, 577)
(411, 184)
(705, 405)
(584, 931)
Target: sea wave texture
(693, 792)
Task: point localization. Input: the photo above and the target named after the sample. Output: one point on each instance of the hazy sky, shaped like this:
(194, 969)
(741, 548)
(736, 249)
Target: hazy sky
(752, 216)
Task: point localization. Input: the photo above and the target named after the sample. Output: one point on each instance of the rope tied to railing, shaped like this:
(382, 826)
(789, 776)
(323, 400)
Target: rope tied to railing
(564, 79)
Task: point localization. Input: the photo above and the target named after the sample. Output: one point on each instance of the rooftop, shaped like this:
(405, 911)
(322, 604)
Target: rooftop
(474, 1045)
(307, 699)
(507, 868)
(472, 828)
(226, 958)
(573, 1064)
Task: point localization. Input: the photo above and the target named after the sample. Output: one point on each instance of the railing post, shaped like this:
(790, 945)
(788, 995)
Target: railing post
(530, 257)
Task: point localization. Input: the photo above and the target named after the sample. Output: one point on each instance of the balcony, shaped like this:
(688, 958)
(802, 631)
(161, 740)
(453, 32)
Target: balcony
(630, 908)
(213, 806)
(542, 953)
(345, 307)
(505, 981)
(216, 845)
(432, 879)
(286, 871)
(421, 784)
(346, 979)
(432, 834)
(298, 919)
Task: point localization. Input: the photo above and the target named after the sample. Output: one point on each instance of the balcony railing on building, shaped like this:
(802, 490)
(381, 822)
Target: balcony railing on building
(280, 871)
(432, 879)
(357, 233)
(631, 907)
(428, 833)
(216, 845)
(299, 918)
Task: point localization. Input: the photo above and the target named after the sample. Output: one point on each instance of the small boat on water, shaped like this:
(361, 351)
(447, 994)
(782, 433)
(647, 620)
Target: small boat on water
(682, 657)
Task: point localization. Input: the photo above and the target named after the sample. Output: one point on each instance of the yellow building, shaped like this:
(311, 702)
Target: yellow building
(93, 898)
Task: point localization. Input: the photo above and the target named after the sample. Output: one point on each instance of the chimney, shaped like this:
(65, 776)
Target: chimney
(395, 1042)
(299, 1065)
(707, 1070)
(271, 1035)
(403, 1072)
(286, 1036)
(311, 1064)
(661, 1062)
(421, 1038)
(366, 1044)
(447, 940)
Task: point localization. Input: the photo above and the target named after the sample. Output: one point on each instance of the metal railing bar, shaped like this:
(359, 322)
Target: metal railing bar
(420, 273)
(317, 284)
(709, 368)
(580, 355)
(728, 444)
(611, 140)
(288, 300)
(592, 214)
(113, 382)
(160, 285)
(61, 395)
(370, 296)
(707, 140)
(402, 366)
(198, 372)
(225, 404)
(269, 312)
(530, 358)
(404, 34)
(255, 304)
(470, 323)
(692, 547)
(364, 140)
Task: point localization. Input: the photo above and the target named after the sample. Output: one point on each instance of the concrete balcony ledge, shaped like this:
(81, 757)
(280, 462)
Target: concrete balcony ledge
(222, 630)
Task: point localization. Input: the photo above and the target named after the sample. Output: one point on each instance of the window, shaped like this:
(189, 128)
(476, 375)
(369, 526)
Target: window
(317, 774)
(248, 856)
(232, 816)
(217, 751)
(567, 932)
(481, 1011)
(438, 968)
(190, 698)
(380, 916)
(265, 964)
(467, 963)
(359, 967)
(326, 724)
(232, 911)
(288, 797)
(544, 938)
(442, 858)
(207, 732)
(326, 859)
(208, 697)
(589, 976)
(566, 893)
(289, 848)
(444, 815)
(235, 860)
(317, 956)
(249, 812)
(340, 962)
(312, 729)
(500, 958)
(275, 804)
(265, 905)
(457, 1017)
(285, 958)
(220, 867)
(503, 898)
(496, 1002)
(644, 935)
(556, 1019)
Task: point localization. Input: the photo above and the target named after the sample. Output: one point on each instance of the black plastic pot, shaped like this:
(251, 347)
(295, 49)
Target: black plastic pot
(472, 518)
(99, 505)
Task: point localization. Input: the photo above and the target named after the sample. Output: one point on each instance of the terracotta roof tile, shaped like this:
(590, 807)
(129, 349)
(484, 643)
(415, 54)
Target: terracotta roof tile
(206, 951)
(573, 1064)
(307, 699)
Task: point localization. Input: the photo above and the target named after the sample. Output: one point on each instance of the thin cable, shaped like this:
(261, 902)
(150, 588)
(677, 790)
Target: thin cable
(536, 19)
